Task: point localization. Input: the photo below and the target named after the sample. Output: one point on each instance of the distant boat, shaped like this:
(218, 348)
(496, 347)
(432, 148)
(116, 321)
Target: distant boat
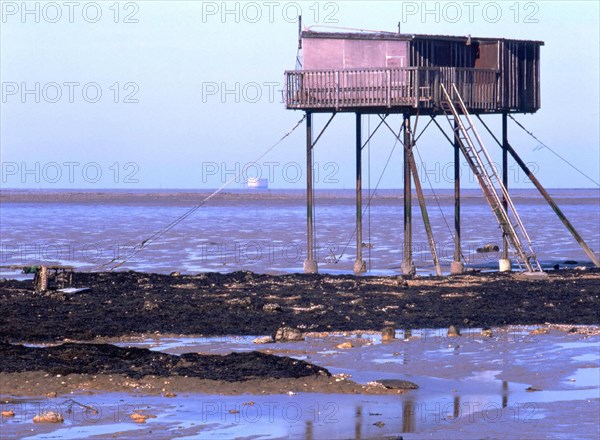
(255, 182)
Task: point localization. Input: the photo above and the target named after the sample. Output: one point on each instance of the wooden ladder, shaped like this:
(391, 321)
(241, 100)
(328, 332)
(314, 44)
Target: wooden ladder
(483, 168)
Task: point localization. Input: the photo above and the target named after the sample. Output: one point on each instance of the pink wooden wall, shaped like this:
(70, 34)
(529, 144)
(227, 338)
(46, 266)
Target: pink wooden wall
(330, 53)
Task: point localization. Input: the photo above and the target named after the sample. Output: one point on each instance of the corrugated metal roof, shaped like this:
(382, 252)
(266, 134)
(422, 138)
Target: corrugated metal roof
(357, 35)
(403, 37)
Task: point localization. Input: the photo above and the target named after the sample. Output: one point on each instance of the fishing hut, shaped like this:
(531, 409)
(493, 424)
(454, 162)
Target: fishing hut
(455, 79)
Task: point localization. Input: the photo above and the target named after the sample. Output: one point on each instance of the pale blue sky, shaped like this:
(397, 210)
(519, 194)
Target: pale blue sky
(179, 135)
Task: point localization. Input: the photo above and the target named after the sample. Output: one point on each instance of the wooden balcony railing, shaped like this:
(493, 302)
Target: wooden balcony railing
(402, 87)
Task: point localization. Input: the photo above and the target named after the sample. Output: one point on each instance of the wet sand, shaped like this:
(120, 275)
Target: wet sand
(520, 382)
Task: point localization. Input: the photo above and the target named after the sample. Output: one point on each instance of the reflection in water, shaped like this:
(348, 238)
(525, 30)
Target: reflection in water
(408, 415)
(504, 394)
(309, 430)
(456, 412)
(358, 423)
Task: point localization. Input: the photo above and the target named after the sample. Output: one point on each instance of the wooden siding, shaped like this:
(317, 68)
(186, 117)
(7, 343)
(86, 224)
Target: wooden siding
(520, 76)
(442, 53)
(350, 71)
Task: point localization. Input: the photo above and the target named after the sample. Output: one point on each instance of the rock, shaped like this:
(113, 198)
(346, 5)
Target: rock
(9, 413)
(169, 394)
(398, 384)
(288, 334)
(532, 389)
(379, 424)
(488, 247)
(388, 334)
(570, 262)
(344, 345)
(239, 301)
(141, 418)
(401, 282)
(150, 305)
(48, 417)
(556, 267)
(453, 331)
(263, 340)
(175, 274)
(271, 308)
(487, 332)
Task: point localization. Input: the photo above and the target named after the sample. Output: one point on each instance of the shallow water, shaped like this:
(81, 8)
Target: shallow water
(267, 234)
(468, 385)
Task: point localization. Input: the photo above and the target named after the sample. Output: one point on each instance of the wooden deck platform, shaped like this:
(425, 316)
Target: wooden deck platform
(388, 90)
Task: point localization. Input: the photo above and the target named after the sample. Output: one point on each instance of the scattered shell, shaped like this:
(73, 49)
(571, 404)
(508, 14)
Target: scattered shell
(374, 384)
(342, 376)
(188, 286)
(539, 331)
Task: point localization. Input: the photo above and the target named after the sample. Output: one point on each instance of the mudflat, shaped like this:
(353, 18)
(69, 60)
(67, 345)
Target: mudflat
(124, 305)
(121, 304)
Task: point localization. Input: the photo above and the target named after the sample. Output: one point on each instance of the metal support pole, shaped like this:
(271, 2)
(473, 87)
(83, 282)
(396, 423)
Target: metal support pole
(504, 263)
(359, 263)
(310, 264)
(563, 218)
(408, 266)
(424, 214)
(457, 265)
